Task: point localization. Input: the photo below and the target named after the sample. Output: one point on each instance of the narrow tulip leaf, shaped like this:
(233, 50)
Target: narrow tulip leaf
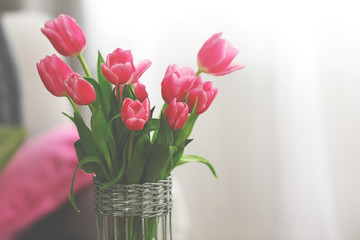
(103, 137)
(180, 135)
(105, 86)
(187, 141)
(194, 158)
(165, 134)
(67, 115)
(140, 156)
(89, 167)
(86, 136)
(116, 179)
(90, 159)
(99, 101)
(160, 163)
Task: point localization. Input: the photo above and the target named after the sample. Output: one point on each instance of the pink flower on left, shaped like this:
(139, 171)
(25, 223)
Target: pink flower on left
(80, 90)
(65, 34)
(53, 72)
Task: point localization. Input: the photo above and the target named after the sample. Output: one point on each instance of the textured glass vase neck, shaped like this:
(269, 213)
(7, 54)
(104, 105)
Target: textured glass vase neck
(134, 211)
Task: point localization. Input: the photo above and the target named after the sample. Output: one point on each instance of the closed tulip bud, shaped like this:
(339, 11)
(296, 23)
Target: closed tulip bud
(140, 91)
(177, 83)
(216, 56)
(53, 72)
(120, 69)
(204, 95)
(135, 113)
(65, 35)
(80, 90)
(176, 114)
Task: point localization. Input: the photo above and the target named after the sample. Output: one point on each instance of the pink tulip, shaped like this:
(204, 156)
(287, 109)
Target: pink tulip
(65, 35)
(120, 69)
(178, 82)
(53, 72)
(204, 95)
(80, 90)
(216, 56)
(135, 113)
(176, 114)
(140, 91)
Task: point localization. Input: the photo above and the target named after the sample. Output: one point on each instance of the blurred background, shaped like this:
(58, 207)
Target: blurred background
(283, 133)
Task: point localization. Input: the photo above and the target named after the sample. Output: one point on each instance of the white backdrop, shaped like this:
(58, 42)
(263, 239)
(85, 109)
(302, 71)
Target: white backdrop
(283, 133)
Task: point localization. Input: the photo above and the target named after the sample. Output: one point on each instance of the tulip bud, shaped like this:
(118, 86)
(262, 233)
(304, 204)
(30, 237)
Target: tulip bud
(177, 83)
(135, 113)
(204, 95)
(176, 114)
(140, 91)
(120, 69)
(216, 55)
(65, 35)
(53, 72)
(80, 90)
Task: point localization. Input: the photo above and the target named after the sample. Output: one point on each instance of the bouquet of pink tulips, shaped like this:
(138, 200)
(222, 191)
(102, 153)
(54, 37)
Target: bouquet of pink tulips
(124, 142)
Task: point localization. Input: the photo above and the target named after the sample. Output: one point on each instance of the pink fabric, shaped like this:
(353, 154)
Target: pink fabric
(37, 180)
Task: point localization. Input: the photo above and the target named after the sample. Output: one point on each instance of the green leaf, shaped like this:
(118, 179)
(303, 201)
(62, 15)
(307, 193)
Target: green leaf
(99, 101)
(103, 137)
(194, 158)
(67, 115)
(160, 163)
(105, 86)
(86, 136)
(90, 159)
(140, 156)
(116, 179)
(180, 135)
(129, 92)
(165, 133)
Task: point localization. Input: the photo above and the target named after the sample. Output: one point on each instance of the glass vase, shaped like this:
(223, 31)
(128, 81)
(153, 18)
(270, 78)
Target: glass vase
(134, 211)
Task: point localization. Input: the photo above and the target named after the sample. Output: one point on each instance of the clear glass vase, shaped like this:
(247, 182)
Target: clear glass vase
(134, 211)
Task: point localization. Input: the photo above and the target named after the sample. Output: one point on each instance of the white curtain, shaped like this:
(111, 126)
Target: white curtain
(283, 134)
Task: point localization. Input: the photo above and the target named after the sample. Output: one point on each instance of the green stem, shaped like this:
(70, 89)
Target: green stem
(198, 72)
(84, 65)
(73, 104)
(131, 145)
(130, 150)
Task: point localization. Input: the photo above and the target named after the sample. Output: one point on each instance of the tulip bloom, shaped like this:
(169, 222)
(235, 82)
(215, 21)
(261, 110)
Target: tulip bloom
(80, 90)
(178, 82)
(53, 72)
(120, 69)
(65, 35)
(135, 113)
(176, 114)
(216, 55)
(204, 95)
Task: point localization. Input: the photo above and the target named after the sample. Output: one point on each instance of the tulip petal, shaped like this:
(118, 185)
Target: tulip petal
(230, 69)
(135, 124)
(122, 71)
(140, 69)
(109, 75)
